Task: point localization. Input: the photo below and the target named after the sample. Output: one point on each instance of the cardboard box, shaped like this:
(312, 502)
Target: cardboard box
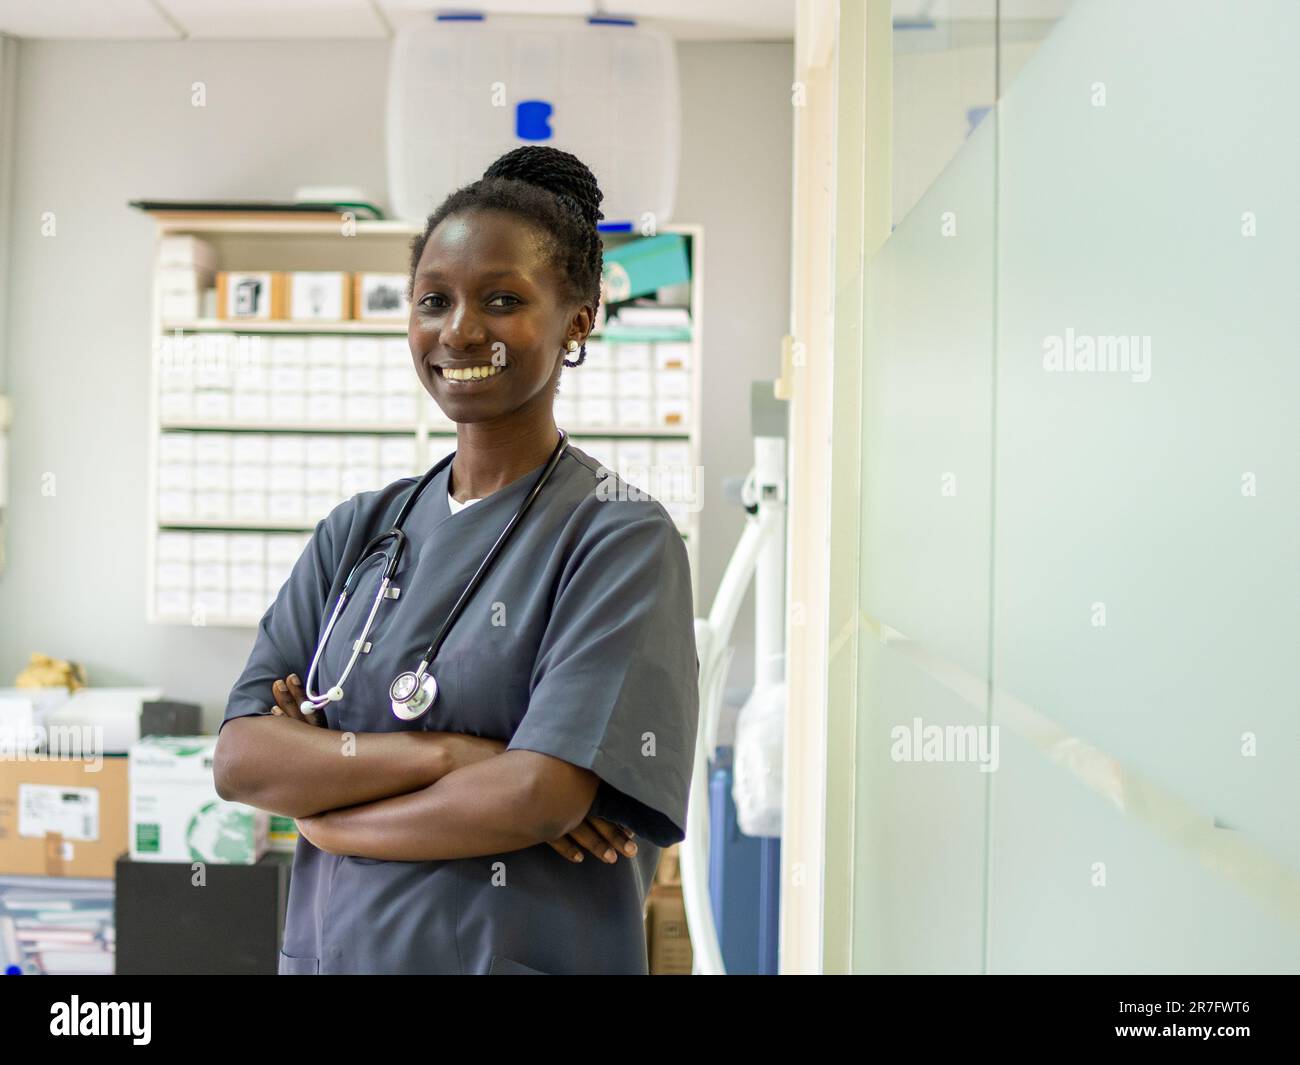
(258, 295)
(667, 938)
(380, 297)
(320, 296)
(62, 817)
(184, 250)
(669, 870)
(176, 813)
(282, 834)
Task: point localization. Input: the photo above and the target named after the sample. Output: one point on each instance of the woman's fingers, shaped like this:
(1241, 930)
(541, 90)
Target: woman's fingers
(618, 836)
(299, 695)
(594, 841)
(566, 848)
(284, 702)
(604, 839)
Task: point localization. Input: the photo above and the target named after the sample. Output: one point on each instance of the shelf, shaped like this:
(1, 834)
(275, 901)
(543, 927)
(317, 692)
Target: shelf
(645, 335)
(288, 427)
(244, 525)
(235, 524)
(324, 226)
(192, 425)
(664, 432)
(280, 325)
(377, 246)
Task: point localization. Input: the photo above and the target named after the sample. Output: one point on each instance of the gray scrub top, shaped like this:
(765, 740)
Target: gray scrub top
(579, 644)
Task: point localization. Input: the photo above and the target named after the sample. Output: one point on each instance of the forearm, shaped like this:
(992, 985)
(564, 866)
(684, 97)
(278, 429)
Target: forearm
(298, 770)
(491, 807)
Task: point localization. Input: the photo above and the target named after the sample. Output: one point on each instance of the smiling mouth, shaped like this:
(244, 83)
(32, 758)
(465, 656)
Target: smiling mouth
(469, 377)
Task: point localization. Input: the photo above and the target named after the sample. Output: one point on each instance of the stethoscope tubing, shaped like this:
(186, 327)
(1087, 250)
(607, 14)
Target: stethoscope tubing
(392, 560)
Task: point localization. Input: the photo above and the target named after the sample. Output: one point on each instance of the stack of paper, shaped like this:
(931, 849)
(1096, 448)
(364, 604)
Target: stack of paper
(56, 926)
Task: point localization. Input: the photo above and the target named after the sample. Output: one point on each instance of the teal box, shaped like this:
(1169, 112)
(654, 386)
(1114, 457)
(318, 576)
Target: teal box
(645, 265)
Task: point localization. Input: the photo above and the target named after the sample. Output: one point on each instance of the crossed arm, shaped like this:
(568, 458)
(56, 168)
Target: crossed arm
(408, 796)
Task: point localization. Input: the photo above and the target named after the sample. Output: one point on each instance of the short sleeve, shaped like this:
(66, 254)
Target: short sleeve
(615, 685)
(286, 635)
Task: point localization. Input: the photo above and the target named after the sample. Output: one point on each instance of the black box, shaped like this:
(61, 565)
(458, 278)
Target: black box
(230, 926)
(165, 717)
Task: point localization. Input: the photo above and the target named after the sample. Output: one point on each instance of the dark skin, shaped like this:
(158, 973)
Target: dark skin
(484, 294)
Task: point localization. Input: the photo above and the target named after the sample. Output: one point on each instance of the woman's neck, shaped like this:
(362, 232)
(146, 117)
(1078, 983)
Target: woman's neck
(490, 457)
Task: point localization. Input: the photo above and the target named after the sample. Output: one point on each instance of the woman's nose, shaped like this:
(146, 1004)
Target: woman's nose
(462, 328)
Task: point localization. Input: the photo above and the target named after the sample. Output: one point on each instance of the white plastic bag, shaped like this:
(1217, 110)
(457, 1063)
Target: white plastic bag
(759, 761)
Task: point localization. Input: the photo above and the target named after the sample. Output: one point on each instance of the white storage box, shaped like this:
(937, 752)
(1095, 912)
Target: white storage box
(176, 814)
(608, 93)
(116, 711)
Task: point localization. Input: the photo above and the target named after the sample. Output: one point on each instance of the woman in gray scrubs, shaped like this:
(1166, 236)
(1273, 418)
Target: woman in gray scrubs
(567, 704)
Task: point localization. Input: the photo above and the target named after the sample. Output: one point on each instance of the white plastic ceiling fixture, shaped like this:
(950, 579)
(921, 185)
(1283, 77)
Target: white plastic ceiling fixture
(465, 90)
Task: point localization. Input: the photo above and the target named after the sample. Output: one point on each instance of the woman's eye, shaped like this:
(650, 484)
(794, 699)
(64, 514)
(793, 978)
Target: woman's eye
(493, 302)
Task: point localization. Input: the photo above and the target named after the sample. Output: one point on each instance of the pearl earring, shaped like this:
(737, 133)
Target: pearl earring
(573, 345)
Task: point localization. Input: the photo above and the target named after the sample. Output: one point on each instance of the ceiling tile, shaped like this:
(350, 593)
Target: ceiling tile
(83, 19)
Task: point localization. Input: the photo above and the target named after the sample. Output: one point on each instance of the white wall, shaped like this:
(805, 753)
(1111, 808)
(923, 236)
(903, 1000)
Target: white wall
(98, 124)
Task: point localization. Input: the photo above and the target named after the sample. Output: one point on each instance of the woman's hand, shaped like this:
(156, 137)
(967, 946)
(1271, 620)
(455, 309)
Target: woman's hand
(604, 839)
(307, 828)
(315, 830)
(289, 695)
(599, 836)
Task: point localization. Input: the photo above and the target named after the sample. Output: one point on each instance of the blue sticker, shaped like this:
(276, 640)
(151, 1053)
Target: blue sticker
(533, 120)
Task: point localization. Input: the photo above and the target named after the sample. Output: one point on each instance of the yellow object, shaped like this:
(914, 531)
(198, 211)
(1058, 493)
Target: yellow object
(45, 672)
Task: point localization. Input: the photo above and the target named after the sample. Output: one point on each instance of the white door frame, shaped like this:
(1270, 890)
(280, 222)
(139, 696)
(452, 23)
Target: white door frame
(841, 214)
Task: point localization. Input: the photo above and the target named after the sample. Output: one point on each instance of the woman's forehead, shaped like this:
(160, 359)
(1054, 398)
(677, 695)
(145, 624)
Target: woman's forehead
(484, 246)
(499, 233)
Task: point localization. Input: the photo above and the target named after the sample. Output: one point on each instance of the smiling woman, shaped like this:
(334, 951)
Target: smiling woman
(568, 703)
(505, 280)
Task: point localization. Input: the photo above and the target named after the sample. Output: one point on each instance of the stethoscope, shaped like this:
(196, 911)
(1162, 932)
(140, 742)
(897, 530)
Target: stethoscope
(412, 693)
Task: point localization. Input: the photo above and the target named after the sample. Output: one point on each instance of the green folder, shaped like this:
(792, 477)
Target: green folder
(642, 266)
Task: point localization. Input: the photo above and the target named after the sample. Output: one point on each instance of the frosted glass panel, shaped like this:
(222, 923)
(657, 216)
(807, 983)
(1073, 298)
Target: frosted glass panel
(927, 392)
(1081, 504)
(926, 421)
(919, 858)
(1146, 577)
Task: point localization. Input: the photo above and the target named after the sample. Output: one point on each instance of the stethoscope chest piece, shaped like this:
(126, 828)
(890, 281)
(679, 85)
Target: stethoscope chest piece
(412, 695)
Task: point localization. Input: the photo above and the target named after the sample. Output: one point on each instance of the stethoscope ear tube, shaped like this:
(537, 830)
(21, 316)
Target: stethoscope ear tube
(412, 693)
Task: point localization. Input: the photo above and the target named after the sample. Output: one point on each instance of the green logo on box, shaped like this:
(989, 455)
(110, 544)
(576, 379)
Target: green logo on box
(148, 839)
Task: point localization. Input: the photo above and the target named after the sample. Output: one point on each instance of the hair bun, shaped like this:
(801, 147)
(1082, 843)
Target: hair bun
(559, 172)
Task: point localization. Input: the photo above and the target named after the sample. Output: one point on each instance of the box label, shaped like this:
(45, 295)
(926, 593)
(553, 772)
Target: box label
(71, 812)
(148, 839)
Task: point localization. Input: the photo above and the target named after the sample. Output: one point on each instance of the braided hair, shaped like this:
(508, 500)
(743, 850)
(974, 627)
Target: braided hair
(557, 193)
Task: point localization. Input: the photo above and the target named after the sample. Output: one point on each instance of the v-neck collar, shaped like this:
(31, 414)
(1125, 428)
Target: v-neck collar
(509, 494)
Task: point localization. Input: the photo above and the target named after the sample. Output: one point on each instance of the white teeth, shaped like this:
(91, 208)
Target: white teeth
(471, 373)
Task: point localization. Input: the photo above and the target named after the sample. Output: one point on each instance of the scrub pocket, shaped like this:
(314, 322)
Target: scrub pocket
(298, 966)
(503, 966)
(490, 696)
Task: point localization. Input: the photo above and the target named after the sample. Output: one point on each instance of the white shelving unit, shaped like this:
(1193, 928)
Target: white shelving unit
(321, 245)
